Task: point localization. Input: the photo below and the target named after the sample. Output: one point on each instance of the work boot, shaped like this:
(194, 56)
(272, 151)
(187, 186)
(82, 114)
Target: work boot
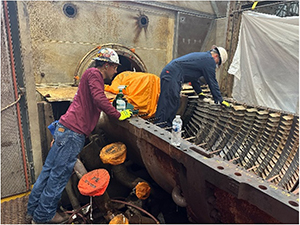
(58, 218)
(28, 218)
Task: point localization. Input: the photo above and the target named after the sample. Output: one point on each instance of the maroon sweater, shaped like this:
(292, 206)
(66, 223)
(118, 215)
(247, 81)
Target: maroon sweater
(90, 99)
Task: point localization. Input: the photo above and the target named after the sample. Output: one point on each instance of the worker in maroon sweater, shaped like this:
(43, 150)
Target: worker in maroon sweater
(69, 135)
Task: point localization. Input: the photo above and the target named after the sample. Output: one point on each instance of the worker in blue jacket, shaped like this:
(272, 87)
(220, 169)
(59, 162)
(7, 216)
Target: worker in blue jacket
(188, 68)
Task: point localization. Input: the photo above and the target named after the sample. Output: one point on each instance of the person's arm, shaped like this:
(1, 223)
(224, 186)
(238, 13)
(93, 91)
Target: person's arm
(212, 82)
(96, 85)
(196, 86)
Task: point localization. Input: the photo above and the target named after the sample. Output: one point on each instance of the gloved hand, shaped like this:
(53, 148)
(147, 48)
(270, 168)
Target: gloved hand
(226, 104)
(202, 95)
(125, 114)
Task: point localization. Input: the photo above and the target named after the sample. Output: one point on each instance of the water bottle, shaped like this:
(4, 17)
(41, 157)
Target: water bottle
(176, 131)
(120, 102)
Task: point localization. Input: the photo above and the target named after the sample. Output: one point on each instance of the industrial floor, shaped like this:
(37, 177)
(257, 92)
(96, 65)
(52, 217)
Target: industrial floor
(14, 211)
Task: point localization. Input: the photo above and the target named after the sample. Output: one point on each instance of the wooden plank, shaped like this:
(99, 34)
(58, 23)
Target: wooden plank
(45, 115)
(49, 118)
(41, 118)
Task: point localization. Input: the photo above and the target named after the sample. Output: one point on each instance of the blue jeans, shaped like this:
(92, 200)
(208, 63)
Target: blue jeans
(56, 172)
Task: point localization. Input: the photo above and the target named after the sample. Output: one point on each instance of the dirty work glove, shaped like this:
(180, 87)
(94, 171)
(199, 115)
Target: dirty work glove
(125, 114)
(202, 95)
(226, 104)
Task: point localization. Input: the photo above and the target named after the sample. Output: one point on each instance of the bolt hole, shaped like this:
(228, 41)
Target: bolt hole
(43, 74)
(70, 10)
(155, 130)
(220, 167)
(262, 187)
(294, 203)
(238, 174)
(143, 21)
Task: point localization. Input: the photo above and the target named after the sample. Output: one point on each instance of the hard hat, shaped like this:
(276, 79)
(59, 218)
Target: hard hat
(107, 55)
(222, 53)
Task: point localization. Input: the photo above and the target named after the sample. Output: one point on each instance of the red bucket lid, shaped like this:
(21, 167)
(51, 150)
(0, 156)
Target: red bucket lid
(94, 183)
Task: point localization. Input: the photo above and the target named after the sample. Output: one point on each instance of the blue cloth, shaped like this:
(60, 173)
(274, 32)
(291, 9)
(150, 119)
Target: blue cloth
(187, 68)
(58, 167)
(52, 127)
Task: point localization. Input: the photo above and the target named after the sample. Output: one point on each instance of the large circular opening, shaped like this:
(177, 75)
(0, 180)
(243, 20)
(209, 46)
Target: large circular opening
(129, 61)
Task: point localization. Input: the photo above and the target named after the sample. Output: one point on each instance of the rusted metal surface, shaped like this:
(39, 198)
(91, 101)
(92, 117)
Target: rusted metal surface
(247, 157)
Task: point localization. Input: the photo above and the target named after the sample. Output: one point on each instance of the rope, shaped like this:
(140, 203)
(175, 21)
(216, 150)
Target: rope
(15, 102)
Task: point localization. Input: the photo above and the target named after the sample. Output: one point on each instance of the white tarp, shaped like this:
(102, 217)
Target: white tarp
(266, 62)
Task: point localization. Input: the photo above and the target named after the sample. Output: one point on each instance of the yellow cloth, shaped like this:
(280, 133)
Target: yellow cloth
(113, 154)
(142, 90)
(142, 190)
(119, 219)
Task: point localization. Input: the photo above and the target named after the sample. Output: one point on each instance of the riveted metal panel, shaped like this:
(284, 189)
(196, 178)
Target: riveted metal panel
(59, 42)
(192, 31)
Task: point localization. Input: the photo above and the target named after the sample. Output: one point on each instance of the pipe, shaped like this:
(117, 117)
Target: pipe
(16, 93)
(142, 210)
(79, 169)
(74, 201)
(127, 179)
(102, 202)
(178, 198)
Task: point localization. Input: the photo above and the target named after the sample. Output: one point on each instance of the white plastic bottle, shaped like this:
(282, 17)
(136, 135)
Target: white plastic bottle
(120, 102)
(176, 131)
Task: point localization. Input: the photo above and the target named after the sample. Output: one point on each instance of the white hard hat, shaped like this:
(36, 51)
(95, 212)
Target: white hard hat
(222, 53)
(107, 55)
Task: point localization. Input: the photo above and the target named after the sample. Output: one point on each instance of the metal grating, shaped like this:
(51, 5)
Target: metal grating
(262, 141)
(12, 171)
(14, 211)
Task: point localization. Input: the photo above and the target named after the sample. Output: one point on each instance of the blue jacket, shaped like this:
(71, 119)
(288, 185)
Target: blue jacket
(195, 65)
